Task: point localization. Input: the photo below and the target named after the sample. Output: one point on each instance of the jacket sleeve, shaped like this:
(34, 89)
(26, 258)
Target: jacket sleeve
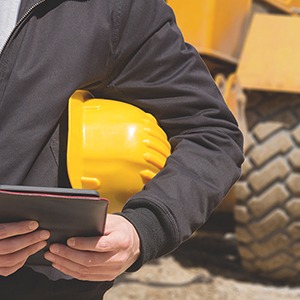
(155, 70)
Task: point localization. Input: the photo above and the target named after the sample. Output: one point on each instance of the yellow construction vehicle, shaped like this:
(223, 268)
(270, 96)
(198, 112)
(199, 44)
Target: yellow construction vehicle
(252, 49)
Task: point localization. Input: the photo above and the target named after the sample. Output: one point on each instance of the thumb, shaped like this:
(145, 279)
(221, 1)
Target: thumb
(98, 244)
(106, 243)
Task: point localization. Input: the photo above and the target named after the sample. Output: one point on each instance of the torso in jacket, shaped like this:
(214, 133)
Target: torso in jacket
(58, 47)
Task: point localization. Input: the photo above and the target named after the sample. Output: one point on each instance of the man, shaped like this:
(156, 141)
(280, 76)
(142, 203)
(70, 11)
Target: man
(128, 50)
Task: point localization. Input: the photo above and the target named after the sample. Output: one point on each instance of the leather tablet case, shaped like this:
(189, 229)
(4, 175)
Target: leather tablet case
(64, 212)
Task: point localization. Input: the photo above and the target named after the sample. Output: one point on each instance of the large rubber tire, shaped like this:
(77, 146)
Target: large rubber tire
(267, 212)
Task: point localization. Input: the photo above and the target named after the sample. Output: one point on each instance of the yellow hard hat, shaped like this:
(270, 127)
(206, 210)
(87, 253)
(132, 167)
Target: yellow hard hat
(113, 147)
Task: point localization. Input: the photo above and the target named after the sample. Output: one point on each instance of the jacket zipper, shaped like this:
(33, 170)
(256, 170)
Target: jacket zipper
(28, 12)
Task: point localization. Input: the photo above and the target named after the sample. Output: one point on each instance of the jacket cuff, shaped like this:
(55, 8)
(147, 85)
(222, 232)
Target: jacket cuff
(155, 235)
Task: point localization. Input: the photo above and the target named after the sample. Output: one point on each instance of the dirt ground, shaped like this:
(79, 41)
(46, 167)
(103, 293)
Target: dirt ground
(205, 267)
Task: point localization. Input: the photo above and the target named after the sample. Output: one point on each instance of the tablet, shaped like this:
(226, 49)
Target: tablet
(64, 212)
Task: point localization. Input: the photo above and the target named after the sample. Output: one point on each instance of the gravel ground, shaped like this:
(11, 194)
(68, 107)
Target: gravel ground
(205, 267)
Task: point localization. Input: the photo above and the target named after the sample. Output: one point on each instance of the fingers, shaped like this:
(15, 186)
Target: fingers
(16, 257)
(12, 229)
(98, 258)
(86, 266)
(16, 243)
(6, 271)
(10, 263)
(61, 253)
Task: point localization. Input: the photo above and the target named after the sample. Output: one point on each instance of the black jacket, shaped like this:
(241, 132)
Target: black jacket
(130, 50)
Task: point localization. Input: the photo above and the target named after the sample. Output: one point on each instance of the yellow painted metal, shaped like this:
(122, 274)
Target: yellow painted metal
(113, 147)
(270, 59)
(214, 27)
(289, 6)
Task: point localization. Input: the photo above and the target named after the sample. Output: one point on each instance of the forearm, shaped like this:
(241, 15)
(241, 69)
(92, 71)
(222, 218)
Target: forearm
(180, 199)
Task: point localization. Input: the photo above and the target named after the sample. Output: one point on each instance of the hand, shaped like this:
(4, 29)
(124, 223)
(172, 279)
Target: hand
(98, 258)
(18, 242)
